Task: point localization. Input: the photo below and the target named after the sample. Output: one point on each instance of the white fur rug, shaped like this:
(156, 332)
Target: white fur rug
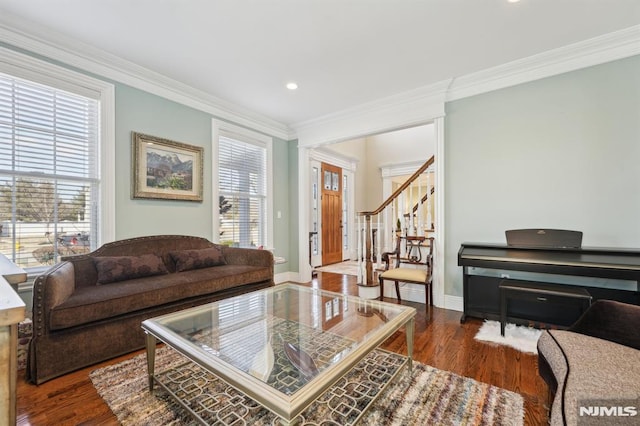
(518, 337)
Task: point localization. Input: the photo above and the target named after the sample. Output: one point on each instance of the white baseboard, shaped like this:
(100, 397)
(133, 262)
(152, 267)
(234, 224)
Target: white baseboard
(284, 277)
(416, 293)
(455, 303)
(366, 292)
(409, 292)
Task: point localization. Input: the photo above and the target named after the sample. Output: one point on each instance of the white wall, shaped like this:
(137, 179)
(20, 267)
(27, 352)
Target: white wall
(373, 152)
(402, 146)
(562, 152)
(356, 149)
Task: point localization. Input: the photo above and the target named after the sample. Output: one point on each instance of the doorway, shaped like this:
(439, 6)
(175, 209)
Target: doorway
(331, 211)
(377, 152)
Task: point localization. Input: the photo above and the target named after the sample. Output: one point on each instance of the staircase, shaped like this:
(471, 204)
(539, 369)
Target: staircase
(408, 212)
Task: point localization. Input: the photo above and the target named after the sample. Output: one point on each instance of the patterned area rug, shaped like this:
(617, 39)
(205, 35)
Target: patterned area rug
(429, 396)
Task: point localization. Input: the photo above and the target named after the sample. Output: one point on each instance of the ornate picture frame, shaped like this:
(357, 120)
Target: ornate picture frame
(165, 169)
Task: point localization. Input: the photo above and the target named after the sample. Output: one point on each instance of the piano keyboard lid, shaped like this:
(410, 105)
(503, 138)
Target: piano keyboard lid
(544, 238)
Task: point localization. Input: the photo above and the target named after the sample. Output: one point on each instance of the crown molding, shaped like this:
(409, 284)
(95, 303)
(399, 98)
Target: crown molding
(337, 159)
(403, 110)
(18, 33)
(407, 109)
(595, 51)
(401, 169)
(426, 103)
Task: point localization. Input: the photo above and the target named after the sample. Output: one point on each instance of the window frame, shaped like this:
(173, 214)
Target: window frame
(222, 128)
(38, 71)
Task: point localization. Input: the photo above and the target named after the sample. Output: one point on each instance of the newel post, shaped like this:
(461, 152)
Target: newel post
(368, 265)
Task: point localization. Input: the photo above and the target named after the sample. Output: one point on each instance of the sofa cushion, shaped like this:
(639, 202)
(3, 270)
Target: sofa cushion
(584, 367)
(119, 268)
(186, 260)
(89, 304)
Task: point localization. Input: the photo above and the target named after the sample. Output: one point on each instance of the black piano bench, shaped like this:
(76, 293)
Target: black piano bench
(540, 293)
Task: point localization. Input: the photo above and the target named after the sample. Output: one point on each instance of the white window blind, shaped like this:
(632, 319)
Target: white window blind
(243, 326)
(242, 169)
(49, 173)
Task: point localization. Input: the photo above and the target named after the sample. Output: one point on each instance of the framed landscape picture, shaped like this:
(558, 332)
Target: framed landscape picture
(164, 169)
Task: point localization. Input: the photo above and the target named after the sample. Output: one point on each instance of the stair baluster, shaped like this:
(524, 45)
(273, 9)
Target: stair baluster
(372, 243)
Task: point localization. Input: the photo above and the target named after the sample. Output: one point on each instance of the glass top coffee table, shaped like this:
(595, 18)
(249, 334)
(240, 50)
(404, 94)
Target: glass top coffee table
(283, 347)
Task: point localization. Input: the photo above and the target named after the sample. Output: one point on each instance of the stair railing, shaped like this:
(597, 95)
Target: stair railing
(376, 228)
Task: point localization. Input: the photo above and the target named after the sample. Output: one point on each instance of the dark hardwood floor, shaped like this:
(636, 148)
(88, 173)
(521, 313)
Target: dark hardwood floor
(440, 341)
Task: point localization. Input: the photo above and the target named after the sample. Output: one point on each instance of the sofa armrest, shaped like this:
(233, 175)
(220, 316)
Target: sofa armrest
(246, 256)
(50, 290)
(610, 320)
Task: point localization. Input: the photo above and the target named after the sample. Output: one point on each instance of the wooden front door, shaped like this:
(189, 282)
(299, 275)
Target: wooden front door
(331, 214)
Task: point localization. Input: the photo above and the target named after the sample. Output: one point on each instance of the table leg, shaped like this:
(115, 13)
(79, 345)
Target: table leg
(409, 332)
(503, 311)
(151, 359)
(293, 422)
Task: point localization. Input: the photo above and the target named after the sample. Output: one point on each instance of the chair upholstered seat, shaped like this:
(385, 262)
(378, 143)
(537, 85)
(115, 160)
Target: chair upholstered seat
(417, 271)
(406, 275)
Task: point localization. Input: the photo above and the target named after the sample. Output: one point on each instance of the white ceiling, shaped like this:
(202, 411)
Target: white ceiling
(342, 53)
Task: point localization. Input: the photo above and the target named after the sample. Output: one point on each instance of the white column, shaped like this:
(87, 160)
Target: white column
(401, 209)
(379, 245)
(420, 219)
(359, 242)
(410, 211)
(12, 311)
(429, 202)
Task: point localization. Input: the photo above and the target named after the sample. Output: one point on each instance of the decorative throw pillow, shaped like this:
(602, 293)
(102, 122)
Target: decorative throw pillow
(119, 268)
(186, 260)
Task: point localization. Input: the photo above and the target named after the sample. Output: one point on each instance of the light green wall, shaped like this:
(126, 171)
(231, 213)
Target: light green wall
(281, 203)
(294, 245)
(562, 152)
(143, 112)
(140, 111)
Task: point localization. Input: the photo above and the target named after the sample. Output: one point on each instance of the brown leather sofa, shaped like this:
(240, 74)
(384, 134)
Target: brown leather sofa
(593, 364)
(88, 308)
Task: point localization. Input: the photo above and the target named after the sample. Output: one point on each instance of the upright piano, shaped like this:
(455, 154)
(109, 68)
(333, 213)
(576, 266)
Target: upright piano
(606, 273)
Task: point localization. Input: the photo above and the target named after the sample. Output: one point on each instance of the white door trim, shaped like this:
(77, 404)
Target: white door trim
(349, 166)
(439, 235)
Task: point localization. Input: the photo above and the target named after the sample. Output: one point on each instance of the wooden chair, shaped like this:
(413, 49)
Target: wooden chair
(419, 273)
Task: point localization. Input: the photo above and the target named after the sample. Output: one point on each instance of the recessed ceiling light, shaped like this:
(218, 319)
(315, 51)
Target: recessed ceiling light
(513, 1)
(292, 86)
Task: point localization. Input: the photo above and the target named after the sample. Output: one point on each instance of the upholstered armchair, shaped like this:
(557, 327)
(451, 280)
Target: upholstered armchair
(416, 268)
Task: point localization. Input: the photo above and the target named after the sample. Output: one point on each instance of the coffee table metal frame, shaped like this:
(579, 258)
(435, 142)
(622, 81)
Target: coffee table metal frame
(285, 406)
